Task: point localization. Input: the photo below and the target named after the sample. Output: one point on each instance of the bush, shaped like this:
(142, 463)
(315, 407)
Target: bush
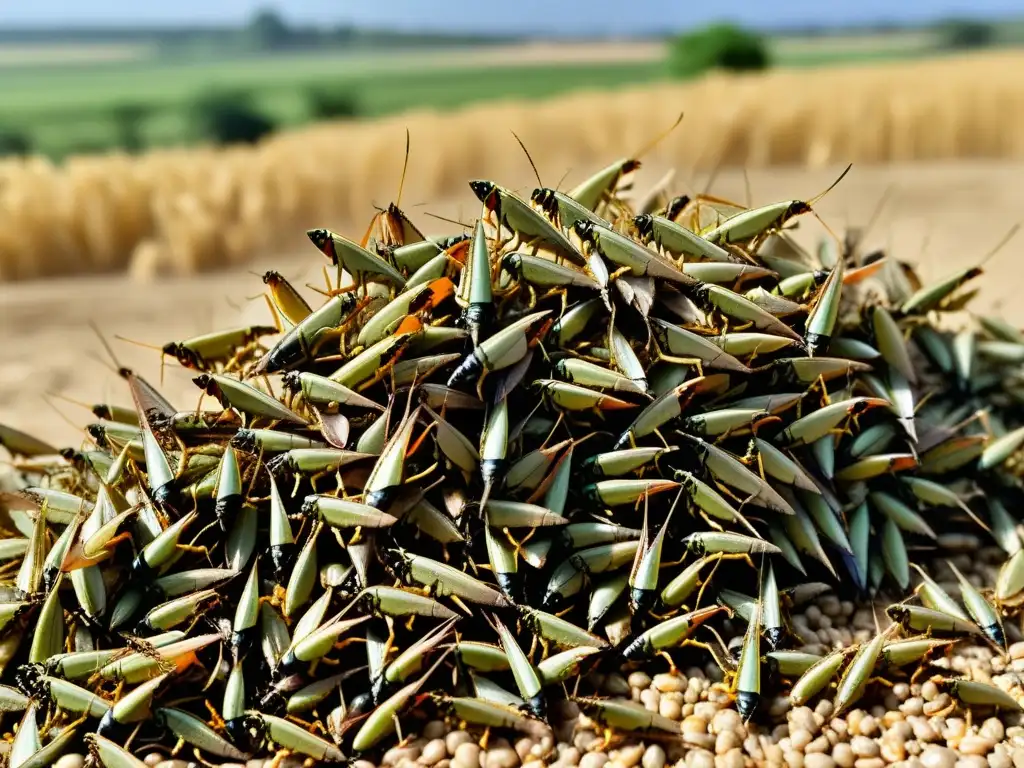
(128, 119)
(720, 46)
(230, 118)
(14, 142)
(329, 104)
(961, 34)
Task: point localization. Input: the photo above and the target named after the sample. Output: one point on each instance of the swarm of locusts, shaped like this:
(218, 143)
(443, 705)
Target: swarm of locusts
(585, 433)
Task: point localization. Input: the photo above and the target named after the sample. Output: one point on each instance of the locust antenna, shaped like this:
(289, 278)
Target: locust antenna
(562, 180)
(405, 167)
(659, 138)
(122, 371)
(999, 246)
(879, 207)
(831, 186)
(63, 416)
(142, 344)
(71, 400)
(828, 229)
(532, 164)
(715, 170)
(450, 221)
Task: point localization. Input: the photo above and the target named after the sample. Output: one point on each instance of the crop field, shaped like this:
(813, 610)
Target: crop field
(23, 56)
(181, 211)
(72, 109)
(160, 81)
(375, 92)
(815, 51)
(74, 98)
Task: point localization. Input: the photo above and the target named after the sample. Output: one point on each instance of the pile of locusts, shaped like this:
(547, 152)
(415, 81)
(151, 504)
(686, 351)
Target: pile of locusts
(488, 465)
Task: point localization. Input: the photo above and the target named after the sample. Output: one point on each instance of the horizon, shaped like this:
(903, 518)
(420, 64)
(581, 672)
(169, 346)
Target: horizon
(573, 18)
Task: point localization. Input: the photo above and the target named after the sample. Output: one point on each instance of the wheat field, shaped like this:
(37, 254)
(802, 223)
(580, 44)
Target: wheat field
(184, 211)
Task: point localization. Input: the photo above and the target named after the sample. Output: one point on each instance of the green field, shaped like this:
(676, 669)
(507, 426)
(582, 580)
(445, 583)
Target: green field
(66, 109)
(818, 51)
(76, 103)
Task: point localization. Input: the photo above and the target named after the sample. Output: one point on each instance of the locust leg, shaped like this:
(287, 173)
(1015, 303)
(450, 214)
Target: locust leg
(279, 758)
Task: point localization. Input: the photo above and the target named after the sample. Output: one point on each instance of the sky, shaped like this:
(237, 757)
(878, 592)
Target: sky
(551, 17)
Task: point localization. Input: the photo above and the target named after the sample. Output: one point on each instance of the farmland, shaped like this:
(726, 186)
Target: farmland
(194, 209)
(39, 100)
(62, 99)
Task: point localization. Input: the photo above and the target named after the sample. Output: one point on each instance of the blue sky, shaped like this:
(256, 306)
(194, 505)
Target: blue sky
(568, 17)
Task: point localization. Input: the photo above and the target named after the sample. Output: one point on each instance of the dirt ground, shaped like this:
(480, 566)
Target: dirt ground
(940, 216)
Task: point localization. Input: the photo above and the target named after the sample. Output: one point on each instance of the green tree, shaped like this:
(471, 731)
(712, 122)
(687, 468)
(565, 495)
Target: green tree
(14, 142)
(324, 103)
(719, 46)
(962, 34)
(267, 31)
(128, 119)
(229, 117)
